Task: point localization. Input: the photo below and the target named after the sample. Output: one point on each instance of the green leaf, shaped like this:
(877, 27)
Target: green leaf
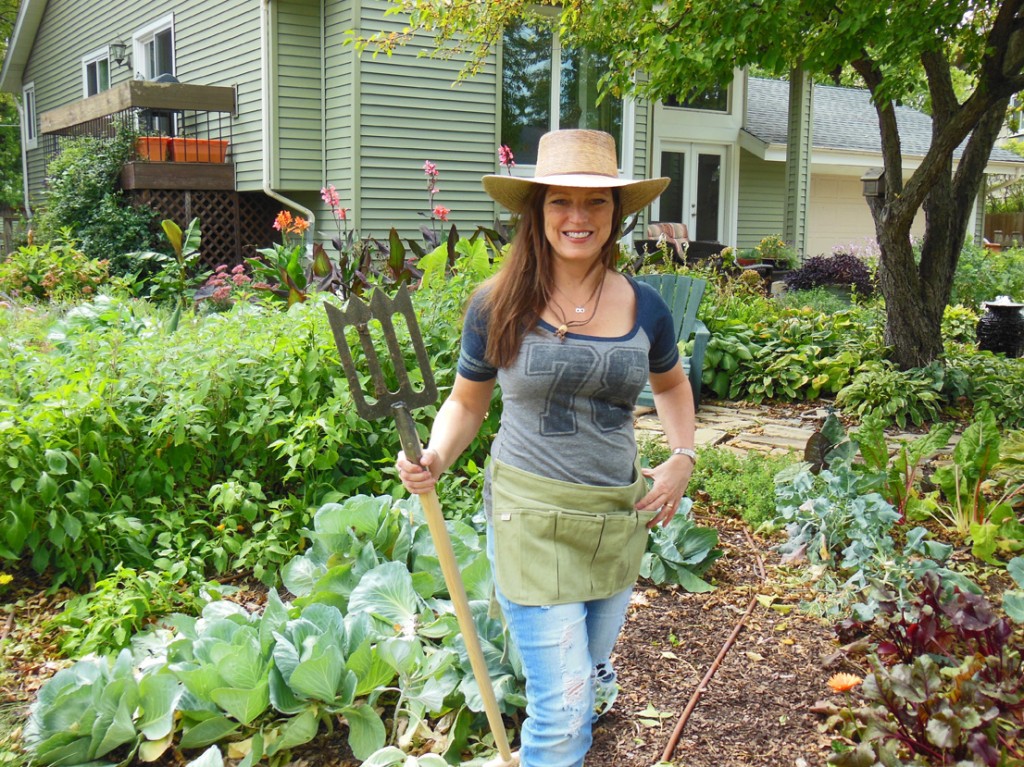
(297, 731)
(1013, 604)
(1015, 569)
(319, 677)
(208, 731)
(211, 757)
(173, 232)
(57, 462)
(243, 704)
(387, 592)
(158, 695)
(366, 730)
(371, 671)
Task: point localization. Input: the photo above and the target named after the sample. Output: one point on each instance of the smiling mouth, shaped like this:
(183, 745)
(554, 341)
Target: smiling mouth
(577, 235)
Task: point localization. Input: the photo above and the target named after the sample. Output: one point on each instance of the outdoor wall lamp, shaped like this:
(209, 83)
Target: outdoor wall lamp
(118, 53)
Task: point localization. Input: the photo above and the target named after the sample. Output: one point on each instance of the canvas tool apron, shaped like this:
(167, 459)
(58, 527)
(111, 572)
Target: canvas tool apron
(557, 542)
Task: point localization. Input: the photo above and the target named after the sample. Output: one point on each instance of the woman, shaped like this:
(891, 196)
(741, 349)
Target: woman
(572, 342)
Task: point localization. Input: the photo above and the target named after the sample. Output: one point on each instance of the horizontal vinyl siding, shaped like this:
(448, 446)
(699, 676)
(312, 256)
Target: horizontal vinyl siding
(408, 113)
(219, 44)
(340, 93)
(298, 95)
(761, 199)
(215, 44)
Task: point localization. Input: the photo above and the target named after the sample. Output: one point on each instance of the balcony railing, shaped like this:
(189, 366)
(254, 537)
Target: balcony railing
(184, 132)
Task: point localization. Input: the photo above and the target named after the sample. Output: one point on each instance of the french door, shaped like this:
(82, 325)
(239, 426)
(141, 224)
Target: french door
(696, 192)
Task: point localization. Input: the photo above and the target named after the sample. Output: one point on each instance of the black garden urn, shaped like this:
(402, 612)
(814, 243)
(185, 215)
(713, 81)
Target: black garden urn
(1001, 327)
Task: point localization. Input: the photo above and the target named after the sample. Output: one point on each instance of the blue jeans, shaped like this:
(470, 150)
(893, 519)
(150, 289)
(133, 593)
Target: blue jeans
(565, 651)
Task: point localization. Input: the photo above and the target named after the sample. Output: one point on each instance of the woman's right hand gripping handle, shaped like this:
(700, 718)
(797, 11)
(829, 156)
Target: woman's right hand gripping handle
(418, 478)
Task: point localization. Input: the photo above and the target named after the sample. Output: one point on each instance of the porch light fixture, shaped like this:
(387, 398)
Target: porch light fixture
(118, 53)
(873, 182)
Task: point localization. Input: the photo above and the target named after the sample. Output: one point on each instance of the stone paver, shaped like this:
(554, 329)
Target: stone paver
(744, 428)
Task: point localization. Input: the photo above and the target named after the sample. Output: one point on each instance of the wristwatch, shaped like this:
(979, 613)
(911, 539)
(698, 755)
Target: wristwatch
(688, 452)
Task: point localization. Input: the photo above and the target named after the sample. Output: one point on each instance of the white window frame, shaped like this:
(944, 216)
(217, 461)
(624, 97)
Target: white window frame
(144, 36)
(30, 124)
(555, 106)
(100, 54)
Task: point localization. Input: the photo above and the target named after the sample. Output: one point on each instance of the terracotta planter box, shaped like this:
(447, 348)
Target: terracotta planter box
(198, 150)
(153, 148)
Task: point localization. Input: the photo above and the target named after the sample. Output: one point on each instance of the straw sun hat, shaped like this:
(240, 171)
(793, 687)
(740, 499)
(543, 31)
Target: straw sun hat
(577, 158)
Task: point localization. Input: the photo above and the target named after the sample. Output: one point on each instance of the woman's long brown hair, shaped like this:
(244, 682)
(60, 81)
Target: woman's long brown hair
(515, 297)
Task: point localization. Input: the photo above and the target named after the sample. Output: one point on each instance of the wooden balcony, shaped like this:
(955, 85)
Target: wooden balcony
(197, 111)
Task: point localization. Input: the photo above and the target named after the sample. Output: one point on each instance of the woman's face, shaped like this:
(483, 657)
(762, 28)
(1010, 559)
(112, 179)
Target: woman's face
(578, 222)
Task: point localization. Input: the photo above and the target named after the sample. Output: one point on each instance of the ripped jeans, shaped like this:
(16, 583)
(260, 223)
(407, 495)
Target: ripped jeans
(565, 651)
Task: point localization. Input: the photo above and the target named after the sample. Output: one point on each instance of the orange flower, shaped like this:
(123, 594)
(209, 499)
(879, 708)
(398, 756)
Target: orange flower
(299, 225)
(283, 221)
(843, 682)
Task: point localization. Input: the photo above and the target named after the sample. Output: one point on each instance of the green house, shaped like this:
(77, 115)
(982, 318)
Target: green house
(254, 107)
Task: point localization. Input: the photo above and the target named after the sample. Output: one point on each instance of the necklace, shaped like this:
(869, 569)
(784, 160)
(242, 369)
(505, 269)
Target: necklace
(563, 328)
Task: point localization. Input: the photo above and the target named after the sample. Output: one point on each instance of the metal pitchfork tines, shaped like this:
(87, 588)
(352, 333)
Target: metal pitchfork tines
(399, 403)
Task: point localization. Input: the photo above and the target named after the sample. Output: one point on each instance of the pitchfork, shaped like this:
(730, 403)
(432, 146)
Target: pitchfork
(399, 403)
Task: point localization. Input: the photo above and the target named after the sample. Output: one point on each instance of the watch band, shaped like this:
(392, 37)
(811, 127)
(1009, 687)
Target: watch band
(688, 452)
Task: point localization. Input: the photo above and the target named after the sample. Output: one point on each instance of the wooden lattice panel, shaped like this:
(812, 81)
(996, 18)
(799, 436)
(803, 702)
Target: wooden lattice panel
(233, 224)
(218, 220)
(256, 214)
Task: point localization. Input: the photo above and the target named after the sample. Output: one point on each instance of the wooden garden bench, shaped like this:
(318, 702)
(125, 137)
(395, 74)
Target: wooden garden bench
(683, 295)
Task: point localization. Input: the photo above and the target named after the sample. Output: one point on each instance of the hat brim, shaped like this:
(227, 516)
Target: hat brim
(634, 195)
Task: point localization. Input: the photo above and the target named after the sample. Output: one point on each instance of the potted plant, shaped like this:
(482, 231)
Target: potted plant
(198, 149)
(773, 250)
(153, 148)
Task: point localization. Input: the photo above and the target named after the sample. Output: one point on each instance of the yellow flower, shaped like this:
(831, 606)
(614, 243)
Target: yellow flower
(5, 578)
(843, 682)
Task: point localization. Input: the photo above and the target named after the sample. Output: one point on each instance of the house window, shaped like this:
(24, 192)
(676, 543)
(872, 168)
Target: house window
(713, 99)
(547, 87)
(154, 49)
(29, 131)
(96, 72)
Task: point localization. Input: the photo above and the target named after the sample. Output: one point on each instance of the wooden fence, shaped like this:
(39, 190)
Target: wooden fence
(1005, 228)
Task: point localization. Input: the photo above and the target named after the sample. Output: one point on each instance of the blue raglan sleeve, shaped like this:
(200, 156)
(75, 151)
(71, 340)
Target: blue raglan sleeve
(656, 320)
(472, 364)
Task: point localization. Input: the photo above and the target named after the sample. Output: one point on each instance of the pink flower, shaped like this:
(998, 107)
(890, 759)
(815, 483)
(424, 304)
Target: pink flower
(430, 169)
(330, 196)
(239, 268)
(241, 279)
(442, 212)
(505, 156)
(342, 213)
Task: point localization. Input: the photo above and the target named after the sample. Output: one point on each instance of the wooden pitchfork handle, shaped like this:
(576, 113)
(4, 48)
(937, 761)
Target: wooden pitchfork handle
(457, 592)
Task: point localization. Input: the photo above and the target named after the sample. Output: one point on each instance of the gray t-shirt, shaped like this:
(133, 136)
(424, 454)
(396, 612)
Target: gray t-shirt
(567, 405)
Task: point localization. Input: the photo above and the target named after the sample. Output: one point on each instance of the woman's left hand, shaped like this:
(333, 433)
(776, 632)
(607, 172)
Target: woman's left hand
(670, 481)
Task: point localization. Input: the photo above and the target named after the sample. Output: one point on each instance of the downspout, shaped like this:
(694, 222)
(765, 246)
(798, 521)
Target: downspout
(24, 161)
(265, 93)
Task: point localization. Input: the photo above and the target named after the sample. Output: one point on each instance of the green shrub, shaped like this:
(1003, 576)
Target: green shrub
(739, 484)
(819, 299)
(83, 196)
(119, 606)
(207, 453)
(56, 270)
(982, 275)
(895, 395)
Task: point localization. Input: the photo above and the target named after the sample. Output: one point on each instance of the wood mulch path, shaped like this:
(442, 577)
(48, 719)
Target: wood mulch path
(756, 709)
